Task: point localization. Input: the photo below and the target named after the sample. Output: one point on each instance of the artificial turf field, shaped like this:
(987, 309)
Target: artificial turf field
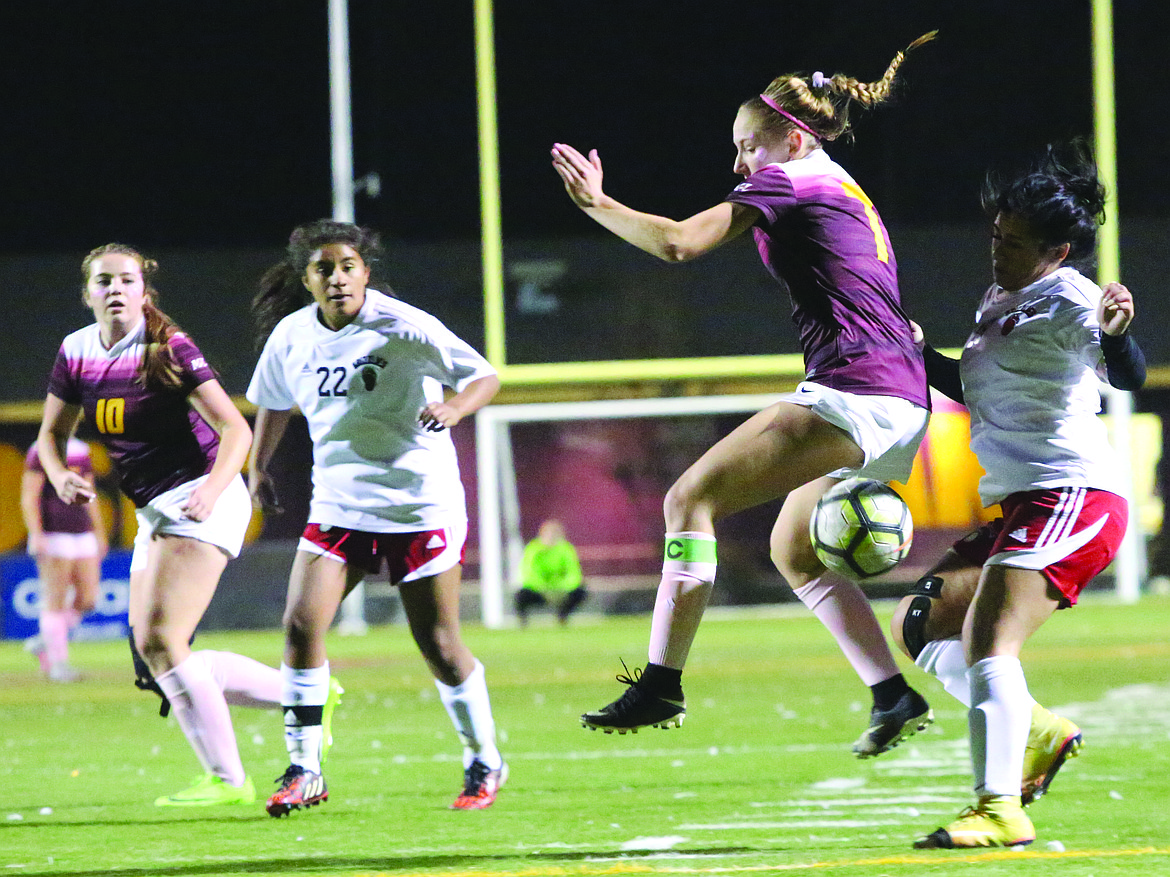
(759, 779)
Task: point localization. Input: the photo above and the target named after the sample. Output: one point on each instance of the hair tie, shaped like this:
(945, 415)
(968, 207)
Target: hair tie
(770, 102)
(819, 80)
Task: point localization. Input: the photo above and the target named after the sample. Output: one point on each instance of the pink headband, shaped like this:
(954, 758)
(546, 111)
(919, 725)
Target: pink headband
(791, 118)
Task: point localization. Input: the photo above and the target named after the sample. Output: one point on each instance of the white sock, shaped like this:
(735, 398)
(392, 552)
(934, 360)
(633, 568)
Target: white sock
(471, 713)
(243, 681)
(999, 720)
(203, 715)
(946, 660)
(54, 628)
(842, 607)
(688, 575)
(302, 733)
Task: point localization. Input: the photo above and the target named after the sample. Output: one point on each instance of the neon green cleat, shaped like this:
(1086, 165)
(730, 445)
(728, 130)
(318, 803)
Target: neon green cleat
(331, 702)
(1052, 741)
(208, 791)
(996, 821)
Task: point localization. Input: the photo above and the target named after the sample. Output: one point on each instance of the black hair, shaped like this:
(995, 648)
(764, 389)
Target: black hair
(1059, 195)
(281, 290)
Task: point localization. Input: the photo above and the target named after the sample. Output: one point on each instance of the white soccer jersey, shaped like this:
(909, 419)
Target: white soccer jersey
(1032, 373)
(361, 390)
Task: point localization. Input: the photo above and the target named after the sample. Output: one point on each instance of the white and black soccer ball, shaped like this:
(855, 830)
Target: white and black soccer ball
(861, 528)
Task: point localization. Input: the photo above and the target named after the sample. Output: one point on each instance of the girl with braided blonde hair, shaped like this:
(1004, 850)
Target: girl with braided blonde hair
(861, 410)
(819, 104)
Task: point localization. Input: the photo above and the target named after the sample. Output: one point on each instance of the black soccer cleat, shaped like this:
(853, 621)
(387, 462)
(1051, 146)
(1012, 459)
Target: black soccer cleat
(636, 708)
(888, 728)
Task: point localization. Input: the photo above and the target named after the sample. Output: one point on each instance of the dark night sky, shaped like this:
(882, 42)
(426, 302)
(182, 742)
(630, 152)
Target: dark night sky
(206, 123)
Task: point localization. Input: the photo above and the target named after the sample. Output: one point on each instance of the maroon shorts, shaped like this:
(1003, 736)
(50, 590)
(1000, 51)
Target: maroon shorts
(1068, 534)
(408, 556)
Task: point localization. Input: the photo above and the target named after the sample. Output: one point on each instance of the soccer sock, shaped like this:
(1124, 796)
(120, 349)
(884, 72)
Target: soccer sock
(203, 715)
(55, 636)
(999, 719)
(688, 574)
(887, 692)
(470, 710)
(946, 660)
(243, 681)
(662, 681)
(302, 696)
(845, 611)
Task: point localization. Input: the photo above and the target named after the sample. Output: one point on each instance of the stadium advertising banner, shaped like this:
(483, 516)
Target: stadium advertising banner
(21, 591)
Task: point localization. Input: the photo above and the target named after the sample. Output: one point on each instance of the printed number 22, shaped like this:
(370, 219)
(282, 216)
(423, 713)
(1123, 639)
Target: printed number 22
(337, 388)
(110, 416)
(854, 191)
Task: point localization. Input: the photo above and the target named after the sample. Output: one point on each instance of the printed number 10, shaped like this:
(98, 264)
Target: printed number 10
(110, 415)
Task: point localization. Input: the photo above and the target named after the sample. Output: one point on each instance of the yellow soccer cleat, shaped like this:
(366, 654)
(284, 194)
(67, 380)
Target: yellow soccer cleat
(1052, 741)
(996, 821)
(208, 791)
(331, 702)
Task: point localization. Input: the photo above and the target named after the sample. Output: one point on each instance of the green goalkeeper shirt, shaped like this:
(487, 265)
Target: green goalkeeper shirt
(550, 567)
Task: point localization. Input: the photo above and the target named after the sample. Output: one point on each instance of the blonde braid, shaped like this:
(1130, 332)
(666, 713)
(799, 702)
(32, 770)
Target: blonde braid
(822, 102)
(869, 93)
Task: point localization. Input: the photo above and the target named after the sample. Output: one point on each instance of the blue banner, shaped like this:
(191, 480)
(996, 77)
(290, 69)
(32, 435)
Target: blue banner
(21, 590)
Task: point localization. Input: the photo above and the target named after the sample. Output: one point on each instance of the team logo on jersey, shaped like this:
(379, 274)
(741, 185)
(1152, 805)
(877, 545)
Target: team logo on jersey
(1010, 320)
(743, 187)
(368, 367)
(1013, 318)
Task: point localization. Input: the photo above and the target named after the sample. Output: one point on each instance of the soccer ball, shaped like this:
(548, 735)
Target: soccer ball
(861, 528)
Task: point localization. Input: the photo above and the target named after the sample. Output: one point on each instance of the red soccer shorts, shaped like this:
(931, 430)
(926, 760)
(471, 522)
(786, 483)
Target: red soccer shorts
(408, 556)
(1068, 534)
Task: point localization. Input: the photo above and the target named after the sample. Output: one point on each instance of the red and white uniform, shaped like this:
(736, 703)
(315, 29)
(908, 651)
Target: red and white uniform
(1032, 374)
(362, 388)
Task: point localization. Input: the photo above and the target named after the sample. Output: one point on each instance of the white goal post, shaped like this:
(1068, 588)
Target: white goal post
(500, 542)
(500, 545)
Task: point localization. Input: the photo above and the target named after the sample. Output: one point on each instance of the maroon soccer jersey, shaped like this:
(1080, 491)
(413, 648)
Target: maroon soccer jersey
(58, 516)
(155, 439)
(821, 236)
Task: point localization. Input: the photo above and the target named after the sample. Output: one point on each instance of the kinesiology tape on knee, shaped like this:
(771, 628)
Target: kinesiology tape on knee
(914, 624)
(690, 554)
(145, 680)
(928, 586)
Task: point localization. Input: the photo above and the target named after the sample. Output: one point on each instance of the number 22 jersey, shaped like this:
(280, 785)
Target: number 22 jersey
(361, 389)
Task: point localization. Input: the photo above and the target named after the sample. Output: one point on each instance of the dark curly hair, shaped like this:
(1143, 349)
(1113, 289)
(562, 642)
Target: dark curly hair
(1059, 196)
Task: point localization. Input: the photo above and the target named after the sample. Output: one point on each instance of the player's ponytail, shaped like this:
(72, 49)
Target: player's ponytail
(281, 292)
(819, 104)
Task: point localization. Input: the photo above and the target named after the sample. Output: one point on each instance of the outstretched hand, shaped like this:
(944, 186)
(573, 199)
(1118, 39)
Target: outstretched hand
(1115, 310)
(581, 176)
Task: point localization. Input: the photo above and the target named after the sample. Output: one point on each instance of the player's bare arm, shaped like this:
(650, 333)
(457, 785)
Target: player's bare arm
(215, 406)
(668, 239)
(58, 422)
(443, 415)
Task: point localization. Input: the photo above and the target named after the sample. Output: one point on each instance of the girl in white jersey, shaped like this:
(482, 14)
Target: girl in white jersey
(368, 372)
(1030, 374)
(177, 443)
(862, 409)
